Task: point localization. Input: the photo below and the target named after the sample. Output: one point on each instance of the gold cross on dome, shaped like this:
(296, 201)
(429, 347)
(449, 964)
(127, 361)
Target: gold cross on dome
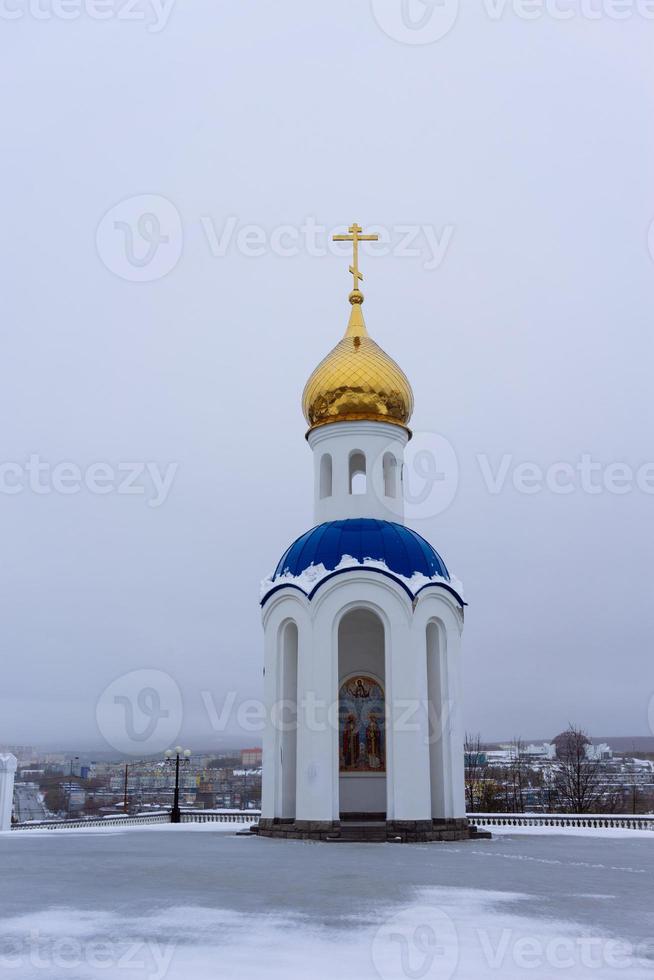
(355, 237)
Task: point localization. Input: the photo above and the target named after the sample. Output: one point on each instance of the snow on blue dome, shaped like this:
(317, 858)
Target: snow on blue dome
(401, 549)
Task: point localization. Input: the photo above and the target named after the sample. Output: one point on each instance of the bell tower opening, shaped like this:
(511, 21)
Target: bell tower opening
(357, 464)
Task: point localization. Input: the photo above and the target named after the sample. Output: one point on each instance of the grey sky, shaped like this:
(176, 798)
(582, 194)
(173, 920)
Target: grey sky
(531, 141)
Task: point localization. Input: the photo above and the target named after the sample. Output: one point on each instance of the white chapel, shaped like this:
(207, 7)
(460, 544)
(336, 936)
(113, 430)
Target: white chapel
(362, 628)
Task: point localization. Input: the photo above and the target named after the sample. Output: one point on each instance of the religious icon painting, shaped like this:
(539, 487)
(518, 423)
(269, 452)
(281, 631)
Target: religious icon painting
(361, 725)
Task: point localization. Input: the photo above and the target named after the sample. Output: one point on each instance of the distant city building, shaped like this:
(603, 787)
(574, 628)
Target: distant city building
(251, 758)
(598, 752)
(544, 750)
(75, 795)
(23, 753)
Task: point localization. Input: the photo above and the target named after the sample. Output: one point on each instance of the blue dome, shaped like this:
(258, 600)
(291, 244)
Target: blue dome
(401, 549)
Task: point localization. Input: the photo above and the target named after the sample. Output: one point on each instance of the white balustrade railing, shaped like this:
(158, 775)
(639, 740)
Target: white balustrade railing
(122, 820)
(215, 816)
(594, 821)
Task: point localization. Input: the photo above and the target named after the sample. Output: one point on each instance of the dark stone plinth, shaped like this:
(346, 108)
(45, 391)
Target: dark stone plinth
(421, 831)
(297, 829)
(372, 831)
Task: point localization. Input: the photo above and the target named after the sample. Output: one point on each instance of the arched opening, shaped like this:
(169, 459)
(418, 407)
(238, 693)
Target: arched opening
(438, 715)
(362, 716)
(357, 472)
(287, 721)
(325, 475)
(390, 475)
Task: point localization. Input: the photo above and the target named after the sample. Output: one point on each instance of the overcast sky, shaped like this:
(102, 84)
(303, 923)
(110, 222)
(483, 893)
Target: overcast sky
(511, 157)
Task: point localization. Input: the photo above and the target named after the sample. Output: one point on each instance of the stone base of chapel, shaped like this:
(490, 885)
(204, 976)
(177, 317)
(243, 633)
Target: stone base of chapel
(369, 830)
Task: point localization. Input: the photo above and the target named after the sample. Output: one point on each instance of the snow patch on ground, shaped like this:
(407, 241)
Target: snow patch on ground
(569, 832)
(214, 827)
(444, 933)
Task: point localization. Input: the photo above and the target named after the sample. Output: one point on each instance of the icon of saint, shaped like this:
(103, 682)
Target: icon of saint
(358, 689)
(350, 743)
(373, 742)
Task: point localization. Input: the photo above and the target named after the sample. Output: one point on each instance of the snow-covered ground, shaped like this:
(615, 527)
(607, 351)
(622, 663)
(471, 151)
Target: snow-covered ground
(196, 902)
(605, 832)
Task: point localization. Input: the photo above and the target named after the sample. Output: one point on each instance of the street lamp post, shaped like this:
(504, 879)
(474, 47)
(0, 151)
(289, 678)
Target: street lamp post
(177, 753)
(125, 788)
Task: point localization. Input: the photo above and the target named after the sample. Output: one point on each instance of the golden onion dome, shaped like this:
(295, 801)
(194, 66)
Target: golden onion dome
(357, 380)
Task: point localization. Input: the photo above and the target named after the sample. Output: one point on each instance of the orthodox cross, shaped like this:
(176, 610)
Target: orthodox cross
(355, 237)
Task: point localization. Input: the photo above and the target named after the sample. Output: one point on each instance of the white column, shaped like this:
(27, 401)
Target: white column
(409, 796)
(317, 742)
(270, 746)
(7, 770)
(453, 752)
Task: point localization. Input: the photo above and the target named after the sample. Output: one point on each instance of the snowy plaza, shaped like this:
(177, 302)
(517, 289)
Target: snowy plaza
(201, 902)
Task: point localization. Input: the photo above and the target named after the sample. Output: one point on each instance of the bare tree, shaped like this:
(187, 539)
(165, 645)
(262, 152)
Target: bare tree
(491, 795)
(473, 769)
(577, 778)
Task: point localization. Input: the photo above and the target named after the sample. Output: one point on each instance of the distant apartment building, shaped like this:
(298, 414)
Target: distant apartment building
(600, 752)
(23, 753)
(251, 758)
